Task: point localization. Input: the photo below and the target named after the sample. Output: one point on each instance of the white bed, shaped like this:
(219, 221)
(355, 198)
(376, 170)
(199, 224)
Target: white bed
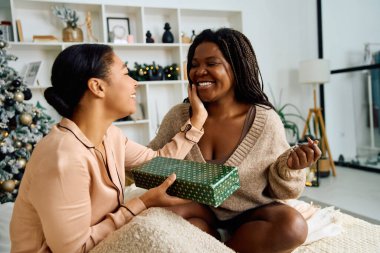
(164, 231)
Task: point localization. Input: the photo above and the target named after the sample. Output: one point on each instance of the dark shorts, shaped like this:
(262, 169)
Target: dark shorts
(249, 215)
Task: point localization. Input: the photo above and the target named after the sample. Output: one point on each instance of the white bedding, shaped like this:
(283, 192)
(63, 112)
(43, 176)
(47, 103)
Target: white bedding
(322, 216)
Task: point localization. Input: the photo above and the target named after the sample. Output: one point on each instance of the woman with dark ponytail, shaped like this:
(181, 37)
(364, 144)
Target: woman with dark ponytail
(243, 130)
(72, 193)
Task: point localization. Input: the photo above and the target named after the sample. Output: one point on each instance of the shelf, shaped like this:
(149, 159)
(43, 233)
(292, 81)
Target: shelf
(38, 87)
(145, 46)
(155, 97)
(131, 122)
(36, 45)
(162, 82)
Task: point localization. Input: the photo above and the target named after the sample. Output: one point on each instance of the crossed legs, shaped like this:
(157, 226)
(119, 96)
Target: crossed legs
(271, 228)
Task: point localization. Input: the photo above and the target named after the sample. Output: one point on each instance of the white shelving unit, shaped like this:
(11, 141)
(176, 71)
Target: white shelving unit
(156, 97)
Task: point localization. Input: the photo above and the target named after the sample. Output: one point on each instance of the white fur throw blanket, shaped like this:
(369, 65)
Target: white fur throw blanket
(159, 230)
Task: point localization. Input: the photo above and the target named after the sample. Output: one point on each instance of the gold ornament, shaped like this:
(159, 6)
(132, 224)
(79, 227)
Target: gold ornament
(8, 185)
(2, 143)
(26, 119)
(20, 163)
(28, 147)
(18, 144)
(32, 126)
(19, 96)
(4, 134)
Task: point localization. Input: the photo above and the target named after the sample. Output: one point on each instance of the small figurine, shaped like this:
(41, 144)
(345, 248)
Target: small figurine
(184, 38)
(192, 36)
(90, 35)
(149, 38)
(167, 37)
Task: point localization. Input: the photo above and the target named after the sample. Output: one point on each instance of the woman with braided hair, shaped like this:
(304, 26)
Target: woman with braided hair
(242, 130)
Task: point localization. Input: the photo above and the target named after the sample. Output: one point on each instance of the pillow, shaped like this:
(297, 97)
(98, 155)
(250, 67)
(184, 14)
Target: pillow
(159, 230)
(5, 218)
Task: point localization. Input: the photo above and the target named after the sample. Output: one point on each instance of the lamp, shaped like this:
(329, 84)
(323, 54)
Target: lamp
(315, 72)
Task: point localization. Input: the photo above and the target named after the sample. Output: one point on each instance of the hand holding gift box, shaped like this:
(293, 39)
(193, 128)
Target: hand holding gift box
(206, 183)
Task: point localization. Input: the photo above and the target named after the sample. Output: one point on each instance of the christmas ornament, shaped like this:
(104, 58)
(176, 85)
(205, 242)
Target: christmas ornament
(18, 176)
(16, 83)
(8, 185)
(9, 101)
(27, 94)
(171, 72)
(20, 163)
(18, 144)
(28, 147)
(3, 44)
(26, 119)
(4, 134)
(19, 96)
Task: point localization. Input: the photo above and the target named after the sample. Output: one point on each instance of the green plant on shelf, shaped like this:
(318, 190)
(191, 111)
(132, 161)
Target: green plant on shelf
(67, 15)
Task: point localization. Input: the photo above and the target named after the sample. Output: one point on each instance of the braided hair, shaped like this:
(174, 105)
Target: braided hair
(238, 52)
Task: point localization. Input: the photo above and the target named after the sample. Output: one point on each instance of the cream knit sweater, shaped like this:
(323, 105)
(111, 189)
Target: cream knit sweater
(261, 158)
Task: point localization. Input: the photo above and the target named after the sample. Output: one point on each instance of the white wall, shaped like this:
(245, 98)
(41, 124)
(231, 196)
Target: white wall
(282, 33)
(347, 26)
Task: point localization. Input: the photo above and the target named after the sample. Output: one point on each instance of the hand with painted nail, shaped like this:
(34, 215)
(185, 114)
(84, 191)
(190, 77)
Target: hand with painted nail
(304, 155)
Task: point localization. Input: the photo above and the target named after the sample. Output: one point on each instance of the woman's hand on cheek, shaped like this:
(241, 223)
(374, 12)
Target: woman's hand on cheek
(304, 155)
(158, 197)
(199, 111)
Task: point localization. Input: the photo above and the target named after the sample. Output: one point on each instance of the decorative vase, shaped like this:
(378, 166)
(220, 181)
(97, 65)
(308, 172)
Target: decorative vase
(72, 34)
(167, 37)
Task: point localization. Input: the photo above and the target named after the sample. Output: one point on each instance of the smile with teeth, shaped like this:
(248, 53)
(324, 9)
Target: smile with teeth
(203, 84)
(133, 96)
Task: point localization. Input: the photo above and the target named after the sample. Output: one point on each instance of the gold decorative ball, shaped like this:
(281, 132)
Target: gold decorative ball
(18, 144)
(4, 134)
(28, 147)
(19, 96)
(26, 119)
(21, 163)
(8, 185)
(32, 125)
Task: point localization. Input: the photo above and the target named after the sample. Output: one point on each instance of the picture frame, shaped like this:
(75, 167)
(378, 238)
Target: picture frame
(118, 29)
(31, 73)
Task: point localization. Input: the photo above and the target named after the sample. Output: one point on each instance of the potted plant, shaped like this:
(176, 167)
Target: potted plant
(288, 113)
(71, 33)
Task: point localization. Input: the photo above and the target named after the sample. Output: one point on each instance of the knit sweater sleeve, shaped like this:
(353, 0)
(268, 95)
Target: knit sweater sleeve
(284, 183)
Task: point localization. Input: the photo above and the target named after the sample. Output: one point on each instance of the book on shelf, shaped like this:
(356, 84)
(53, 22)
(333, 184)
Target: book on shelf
(44, 38)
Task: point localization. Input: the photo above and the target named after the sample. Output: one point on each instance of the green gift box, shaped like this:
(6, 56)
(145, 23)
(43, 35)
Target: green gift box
(206, 183)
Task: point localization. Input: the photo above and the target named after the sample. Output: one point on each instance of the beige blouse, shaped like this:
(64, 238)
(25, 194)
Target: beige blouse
(70, 196)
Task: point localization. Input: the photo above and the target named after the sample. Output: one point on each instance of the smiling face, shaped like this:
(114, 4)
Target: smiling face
(120, 97)
(211, 73)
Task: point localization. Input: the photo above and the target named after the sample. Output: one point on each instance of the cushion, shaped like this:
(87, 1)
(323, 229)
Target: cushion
(5, 217)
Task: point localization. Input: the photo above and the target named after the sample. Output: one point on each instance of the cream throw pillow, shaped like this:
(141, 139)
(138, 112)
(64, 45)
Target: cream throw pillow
(159, 230)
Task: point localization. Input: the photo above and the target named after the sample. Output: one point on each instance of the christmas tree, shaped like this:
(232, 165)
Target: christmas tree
(22, 125)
